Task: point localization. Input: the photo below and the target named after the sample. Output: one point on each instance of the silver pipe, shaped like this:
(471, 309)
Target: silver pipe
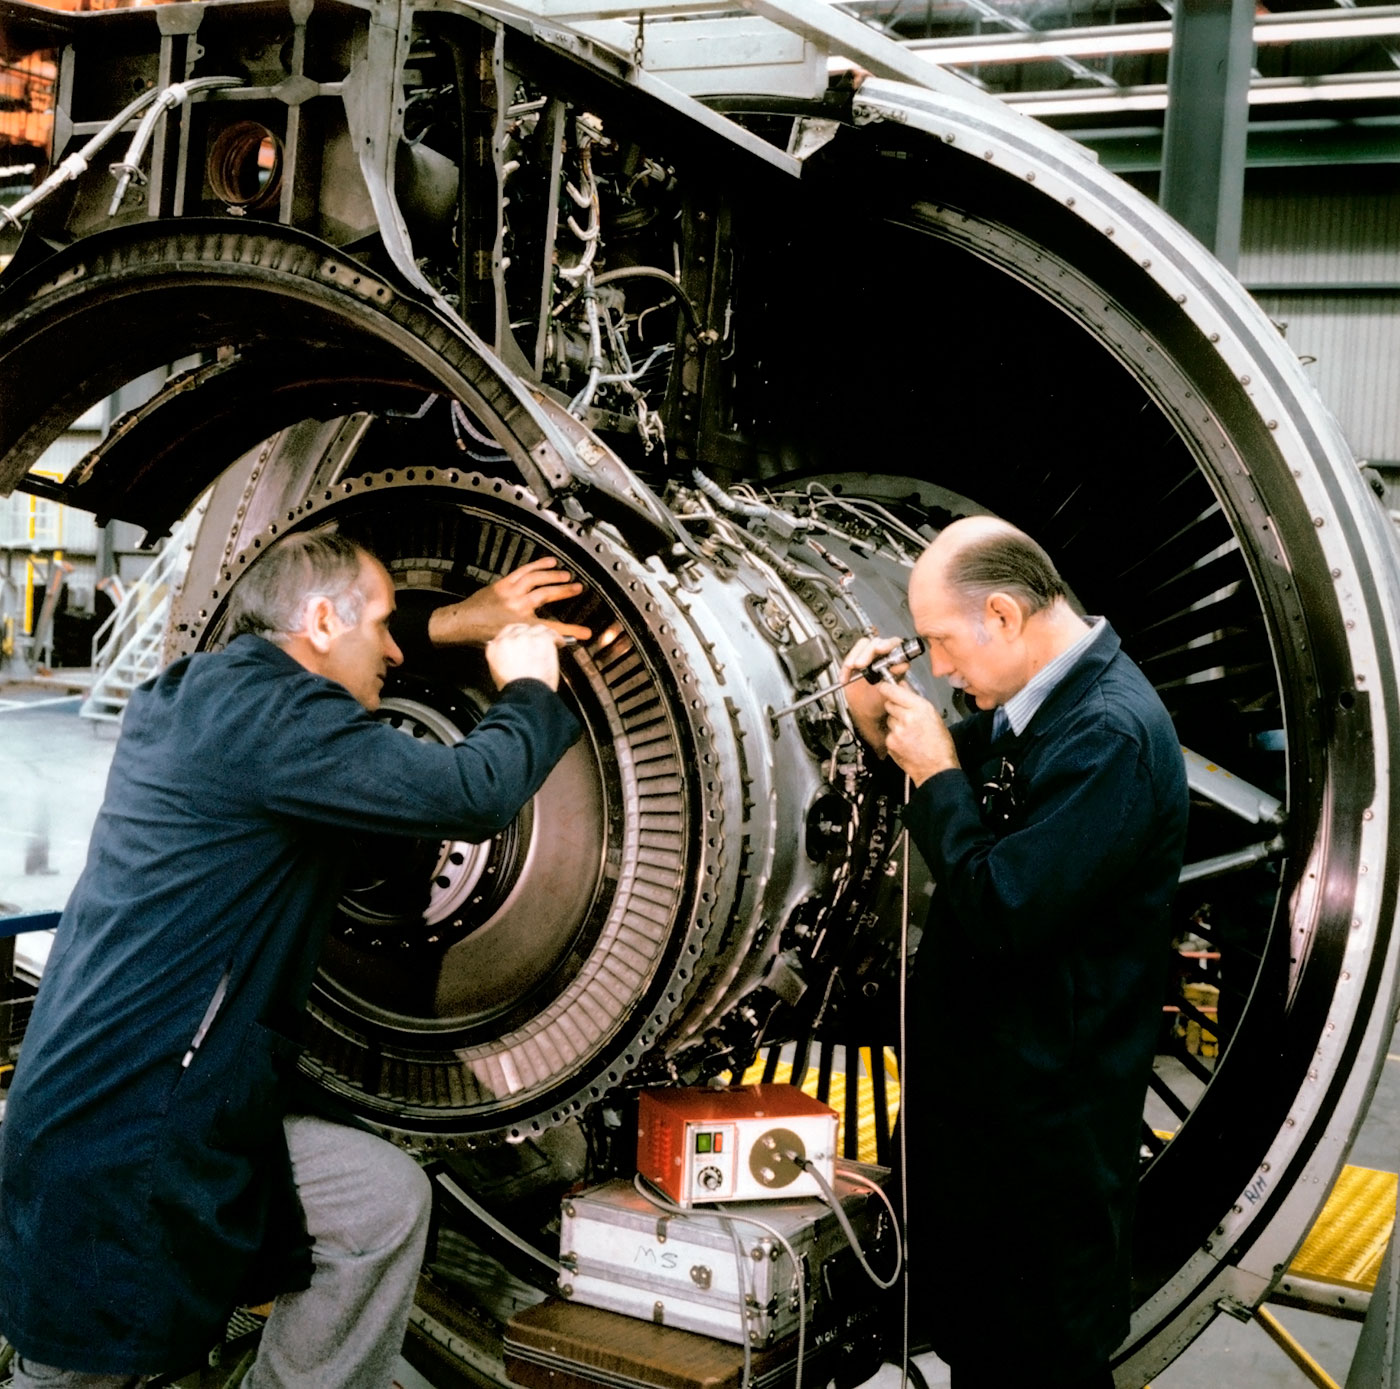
(589, 199)
(174, 95)
(1232, 862)
(645, 367)
(584, 398)
(724, 501)
(75, 165)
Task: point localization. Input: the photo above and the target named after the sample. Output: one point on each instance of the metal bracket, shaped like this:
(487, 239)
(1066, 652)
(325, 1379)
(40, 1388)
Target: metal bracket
(44, 488)
(1230, 792)
(1233, 1307)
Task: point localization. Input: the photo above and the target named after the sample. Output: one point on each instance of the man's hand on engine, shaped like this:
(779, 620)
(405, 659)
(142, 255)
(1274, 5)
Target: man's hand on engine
(524, 651)
(516, 597)
(915, 734)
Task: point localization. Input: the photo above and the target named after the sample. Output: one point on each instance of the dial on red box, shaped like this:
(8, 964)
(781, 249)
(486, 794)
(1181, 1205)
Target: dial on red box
(748, 1143)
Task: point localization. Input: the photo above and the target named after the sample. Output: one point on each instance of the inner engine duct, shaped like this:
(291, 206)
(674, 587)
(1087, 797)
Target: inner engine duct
(874, 311)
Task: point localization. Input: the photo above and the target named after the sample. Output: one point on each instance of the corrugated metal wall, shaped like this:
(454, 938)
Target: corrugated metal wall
(1321, 250)
(1354, 344)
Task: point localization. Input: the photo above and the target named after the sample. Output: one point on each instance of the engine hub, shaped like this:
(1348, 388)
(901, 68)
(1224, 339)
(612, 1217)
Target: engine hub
(409, 894)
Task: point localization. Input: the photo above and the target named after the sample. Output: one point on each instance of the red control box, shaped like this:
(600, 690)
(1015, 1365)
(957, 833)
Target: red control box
(741, 1144)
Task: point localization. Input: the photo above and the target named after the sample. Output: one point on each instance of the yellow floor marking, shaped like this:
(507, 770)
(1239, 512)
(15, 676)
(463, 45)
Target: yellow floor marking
(836, 1098)
(1348, 1239)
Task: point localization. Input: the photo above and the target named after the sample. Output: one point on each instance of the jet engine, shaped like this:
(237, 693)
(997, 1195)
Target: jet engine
(701, 862)
(479, 289)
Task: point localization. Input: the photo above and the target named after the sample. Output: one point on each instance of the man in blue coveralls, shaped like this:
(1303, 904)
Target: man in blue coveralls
(151, 1177)
(1054, 822)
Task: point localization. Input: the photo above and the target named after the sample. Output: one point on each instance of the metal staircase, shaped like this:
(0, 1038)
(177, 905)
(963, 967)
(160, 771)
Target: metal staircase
(126, 649)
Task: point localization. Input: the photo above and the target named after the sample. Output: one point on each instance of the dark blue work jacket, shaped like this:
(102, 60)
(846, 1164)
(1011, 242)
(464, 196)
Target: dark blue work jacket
(1038, 996)
(141, 1185)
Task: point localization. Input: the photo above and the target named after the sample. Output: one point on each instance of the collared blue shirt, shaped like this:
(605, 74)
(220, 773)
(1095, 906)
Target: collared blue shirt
(1021, 708)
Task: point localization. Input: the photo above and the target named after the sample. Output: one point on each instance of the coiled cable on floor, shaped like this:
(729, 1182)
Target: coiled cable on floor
(502, 1229)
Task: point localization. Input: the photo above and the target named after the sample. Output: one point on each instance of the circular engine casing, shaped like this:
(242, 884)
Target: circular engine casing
(666, 876)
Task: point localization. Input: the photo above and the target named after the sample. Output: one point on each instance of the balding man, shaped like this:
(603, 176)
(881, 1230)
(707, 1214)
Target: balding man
(1053, 821)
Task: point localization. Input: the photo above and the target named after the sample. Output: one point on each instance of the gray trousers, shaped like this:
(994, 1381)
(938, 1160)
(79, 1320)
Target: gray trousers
(366, 1206)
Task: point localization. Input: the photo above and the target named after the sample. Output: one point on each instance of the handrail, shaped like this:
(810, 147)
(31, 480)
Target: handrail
(29, 921)
(131, 613)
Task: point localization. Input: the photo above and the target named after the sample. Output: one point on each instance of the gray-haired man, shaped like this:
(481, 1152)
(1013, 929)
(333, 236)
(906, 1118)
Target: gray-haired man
(150, 1176)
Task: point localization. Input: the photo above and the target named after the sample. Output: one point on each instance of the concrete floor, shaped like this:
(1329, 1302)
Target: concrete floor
(53, 768)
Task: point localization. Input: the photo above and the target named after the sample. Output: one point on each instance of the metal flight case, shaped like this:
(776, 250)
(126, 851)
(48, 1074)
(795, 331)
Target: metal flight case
(622, 1253)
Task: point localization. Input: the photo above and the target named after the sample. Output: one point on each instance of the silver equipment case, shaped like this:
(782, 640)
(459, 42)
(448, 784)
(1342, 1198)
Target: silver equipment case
(623, 1253)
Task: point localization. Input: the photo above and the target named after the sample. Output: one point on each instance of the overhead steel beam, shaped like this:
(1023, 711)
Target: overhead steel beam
(847, 37)
(1275, 144)
(572, 12)
(705, 56)
(1203, 147)
(831, 31)
(1114, 40)
(1023, 27)
(1262, 91)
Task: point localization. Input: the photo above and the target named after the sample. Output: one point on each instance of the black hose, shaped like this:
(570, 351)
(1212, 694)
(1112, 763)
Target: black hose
(648, 272)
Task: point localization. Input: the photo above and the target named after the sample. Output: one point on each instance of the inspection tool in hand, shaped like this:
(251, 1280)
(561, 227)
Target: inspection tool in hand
(623, 1253)
(881, 668)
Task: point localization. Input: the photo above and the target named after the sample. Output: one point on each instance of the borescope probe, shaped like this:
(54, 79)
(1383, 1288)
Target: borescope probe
(879, 669)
